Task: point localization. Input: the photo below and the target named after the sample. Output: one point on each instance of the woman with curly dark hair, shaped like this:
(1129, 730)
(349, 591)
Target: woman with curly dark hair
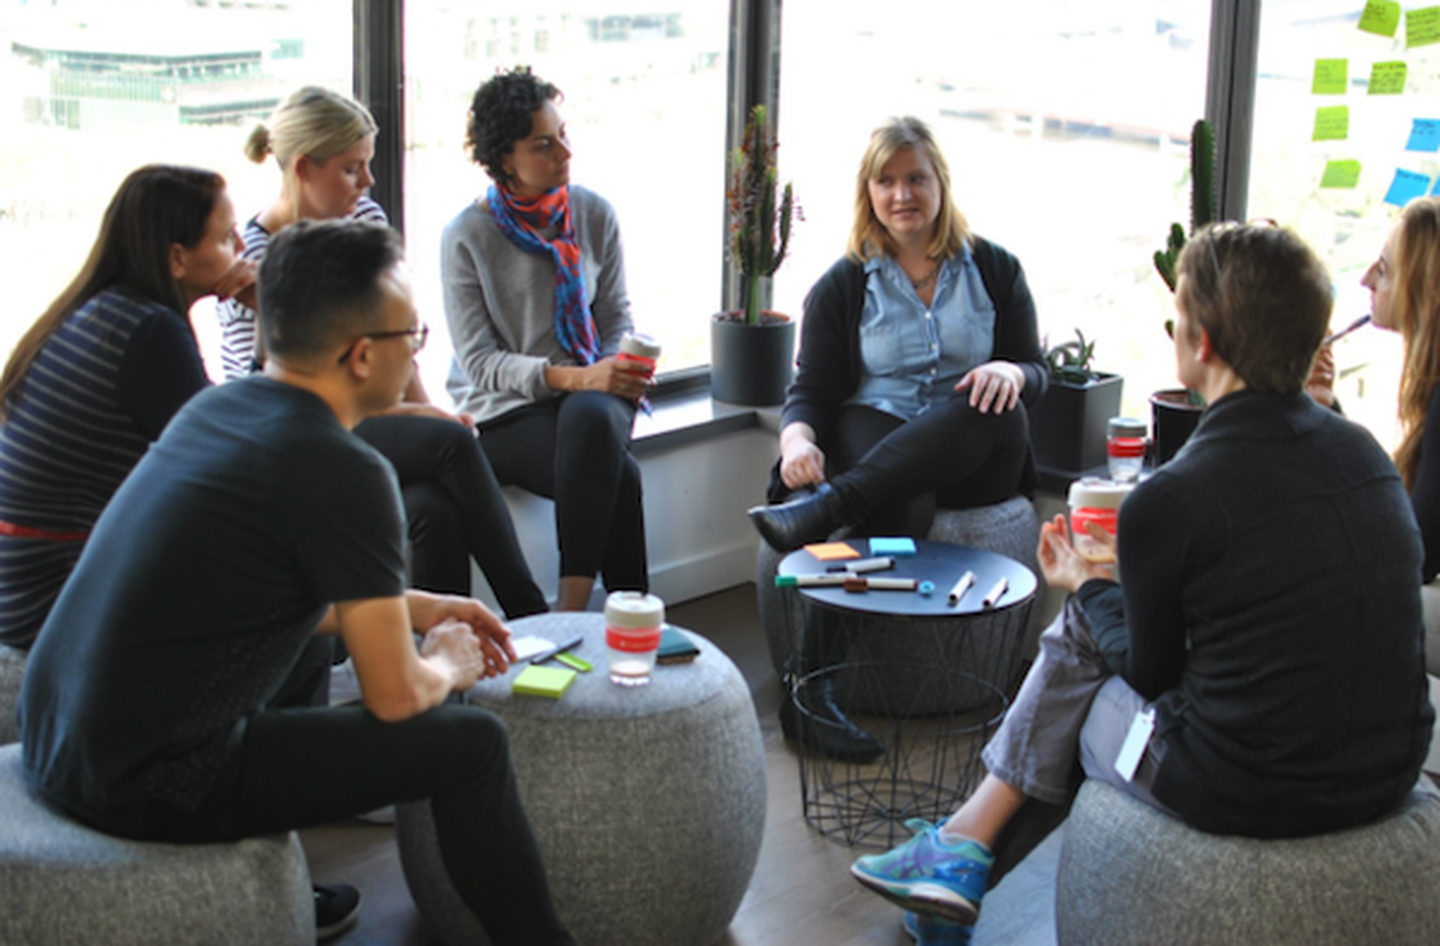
(534, 282)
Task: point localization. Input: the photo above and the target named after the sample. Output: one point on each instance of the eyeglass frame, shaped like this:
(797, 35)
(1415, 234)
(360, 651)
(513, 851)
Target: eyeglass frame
(419, 335)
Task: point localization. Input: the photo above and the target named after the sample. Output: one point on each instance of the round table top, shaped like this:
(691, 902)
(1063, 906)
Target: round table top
(938, 562)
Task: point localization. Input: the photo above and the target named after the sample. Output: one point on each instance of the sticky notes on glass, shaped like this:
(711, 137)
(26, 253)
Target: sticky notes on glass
(831, 551)
(1424, 135)
(1406, 186)
(1331, 77)
(1341, 174)
(544, 681)
(1332, 123)
(1387, 78)
(1381, 17)
(1422, 27)
(900, 545)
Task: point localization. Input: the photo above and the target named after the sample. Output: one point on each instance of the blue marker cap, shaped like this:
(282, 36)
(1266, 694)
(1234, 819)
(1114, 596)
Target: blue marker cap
(927, 588)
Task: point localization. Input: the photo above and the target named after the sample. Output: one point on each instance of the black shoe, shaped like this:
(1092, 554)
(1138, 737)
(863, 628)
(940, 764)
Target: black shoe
(826, 729)
(337, 907)
(796, 522)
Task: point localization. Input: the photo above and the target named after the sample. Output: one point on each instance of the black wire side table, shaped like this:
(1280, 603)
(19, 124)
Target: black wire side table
(927, 678)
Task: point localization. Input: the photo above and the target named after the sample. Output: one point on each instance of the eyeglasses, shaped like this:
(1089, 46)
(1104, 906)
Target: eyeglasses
(417, 335)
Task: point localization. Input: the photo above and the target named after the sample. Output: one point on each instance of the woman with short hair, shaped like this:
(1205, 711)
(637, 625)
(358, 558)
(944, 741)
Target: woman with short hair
(534, 280)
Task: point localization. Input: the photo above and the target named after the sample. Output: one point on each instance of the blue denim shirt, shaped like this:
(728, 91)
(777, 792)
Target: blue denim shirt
(913, 355)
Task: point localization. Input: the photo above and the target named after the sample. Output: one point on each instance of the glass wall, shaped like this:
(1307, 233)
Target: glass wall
(1065, 125)
(644, 99)
(91, 89)
(1337, 96)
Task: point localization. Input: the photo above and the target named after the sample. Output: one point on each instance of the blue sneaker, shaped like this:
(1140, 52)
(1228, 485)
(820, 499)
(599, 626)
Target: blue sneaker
(933, 931)
(927, 875)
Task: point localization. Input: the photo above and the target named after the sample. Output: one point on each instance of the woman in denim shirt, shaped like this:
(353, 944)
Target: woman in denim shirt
(916, 351)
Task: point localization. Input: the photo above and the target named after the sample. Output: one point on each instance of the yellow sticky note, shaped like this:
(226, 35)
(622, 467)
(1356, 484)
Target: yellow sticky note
(1342, 174)
(1381, 17)
(1332, 123)
(1387, 78)
(831, 551)
(1422, 27)
(1331, 77)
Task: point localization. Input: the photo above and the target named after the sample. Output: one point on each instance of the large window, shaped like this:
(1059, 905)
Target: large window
(645, 95)
(1064, 124)
(91, 89)
(1291, 154)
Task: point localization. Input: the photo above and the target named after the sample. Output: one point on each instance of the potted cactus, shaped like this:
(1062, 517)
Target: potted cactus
(752, 351)
(1067, 426)
(1174, 413)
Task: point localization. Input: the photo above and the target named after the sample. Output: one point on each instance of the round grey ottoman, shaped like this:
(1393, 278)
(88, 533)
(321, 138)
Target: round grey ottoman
(1009, 528)
(1130, 874)
(12, 672)
(648, 803)
(64, 883)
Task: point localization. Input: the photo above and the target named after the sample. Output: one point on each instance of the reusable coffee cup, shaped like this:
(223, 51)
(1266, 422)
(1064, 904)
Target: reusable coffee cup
(1125, 448)
(641, 349)
(1095, 500)
(632, 636)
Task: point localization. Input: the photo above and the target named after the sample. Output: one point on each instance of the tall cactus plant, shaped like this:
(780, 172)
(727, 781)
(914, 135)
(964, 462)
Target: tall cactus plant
(759, 213)
(1204, 203)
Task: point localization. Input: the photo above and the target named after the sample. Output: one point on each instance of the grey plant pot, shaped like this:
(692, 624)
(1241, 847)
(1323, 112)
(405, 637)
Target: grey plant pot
(751, 364)
(1067, 427)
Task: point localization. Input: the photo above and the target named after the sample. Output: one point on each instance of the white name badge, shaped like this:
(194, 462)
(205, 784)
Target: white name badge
(1127, 763)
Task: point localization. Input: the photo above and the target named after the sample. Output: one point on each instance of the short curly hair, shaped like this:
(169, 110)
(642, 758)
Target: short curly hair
(501, 114)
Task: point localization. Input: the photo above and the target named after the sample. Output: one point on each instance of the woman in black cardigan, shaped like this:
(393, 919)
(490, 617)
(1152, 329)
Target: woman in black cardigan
(916, 351)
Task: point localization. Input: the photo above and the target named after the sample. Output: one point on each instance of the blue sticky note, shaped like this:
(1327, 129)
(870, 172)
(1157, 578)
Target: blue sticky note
(1424, 135)
(901, 545)
(1435, 191)
(1406, 186)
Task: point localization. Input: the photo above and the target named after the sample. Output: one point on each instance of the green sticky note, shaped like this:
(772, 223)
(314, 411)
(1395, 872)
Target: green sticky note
(1341, 174)
(1387, 78)
(1422, 27)
(544, 681)
(1381, 17)
(1331, 77)
(577, 663)
(1332, 123)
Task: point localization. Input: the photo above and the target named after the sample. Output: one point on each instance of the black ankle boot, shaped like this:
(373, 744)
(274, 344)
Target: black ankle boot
(796, 522)
(824, 728)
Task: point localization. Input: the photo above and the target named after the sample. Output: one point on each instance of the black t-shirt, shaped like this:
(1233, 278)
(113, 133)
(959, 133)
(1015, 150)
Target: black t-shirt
(200, 585)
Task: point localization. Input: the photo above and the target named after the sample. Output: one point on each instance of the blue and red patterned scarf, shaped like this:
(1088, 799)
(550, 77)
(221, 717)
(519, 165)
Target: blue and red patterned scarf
(521, 219)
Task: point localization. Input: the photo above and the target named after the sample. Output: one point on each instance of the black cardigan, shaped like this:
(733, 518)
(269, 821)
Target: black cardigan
(829, 367)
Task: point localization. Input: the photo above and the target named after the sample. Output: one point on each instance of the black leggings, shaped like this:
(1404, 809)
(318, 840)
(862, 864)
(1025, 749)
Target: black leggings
(575, 449)
(454, 509)
(299, 768)
(893, 473)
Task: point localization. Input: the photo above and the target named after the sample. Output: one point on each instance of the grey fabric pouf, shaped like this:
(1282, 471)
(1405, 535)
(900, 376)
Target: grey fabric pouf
(64, 883)
(1132, 875)
(12, 671)
(648, 803)
(1009, 528)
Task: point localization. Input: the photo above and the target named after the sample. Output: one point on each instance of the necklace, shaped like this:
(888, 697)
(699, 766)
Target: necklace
(926, 280)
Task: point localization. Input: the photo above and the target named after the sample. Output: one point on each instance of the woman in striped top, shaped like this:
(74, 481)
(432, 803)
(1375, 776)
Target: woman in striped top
(102, 371)
(323, 142)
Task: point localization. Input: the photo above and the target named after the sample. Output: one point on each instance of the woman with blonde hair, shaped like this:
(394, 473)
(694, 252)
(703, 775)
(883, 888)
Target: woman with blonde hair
(323, 142)
(915, 352)
(102, 371)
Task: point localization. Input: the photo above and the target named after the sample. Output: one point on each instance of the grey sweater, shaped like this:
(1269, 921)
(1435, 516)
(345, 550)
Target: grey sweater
(500, 305)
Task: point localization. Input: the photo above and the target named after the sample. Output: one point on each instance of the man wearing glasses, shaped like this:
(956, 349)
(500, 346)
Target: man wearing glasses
(256, 521)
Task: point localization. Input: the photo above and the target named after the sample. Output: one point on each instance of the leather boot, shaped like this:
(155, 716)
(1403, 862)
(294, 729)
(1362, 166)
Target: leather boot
(800, 521)
(824, 728)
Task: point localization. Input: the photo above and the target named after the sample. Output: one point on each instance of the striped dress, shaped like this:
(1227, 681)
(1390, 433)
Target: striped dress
(237, 321)
(71, 436)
